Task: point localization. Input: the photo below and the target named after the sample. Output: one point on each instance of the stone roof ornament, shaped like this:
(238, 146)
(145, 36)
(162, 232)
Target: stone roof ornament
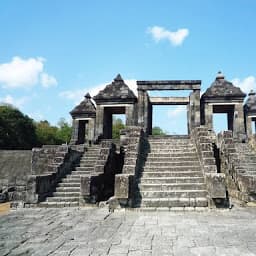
(220, 76)
(223, 89)
(250, 104)
(118, 78)
(117, 91)
(86, 108)
(87, 95)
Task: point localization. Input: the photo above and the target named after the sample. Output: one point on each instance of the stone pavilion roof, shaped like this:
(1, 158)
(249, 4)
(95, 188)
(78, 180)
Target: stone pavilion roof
(85, 109)
(117, 91)
(222, 88)
(250, 104)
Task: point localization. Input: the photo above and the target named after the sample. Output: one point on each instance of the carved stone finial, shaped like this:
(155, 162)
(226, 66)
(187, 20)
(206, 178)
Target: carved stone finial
(87, 95)
(220, 76)
(251, 92)
(118, 78)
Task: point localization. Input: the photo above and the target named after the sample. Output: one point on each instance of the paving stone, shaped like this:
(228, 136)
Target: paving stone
(94, 232)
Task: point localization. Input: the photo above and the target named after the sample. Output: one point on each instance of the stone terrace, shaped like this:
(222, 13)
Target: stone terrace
(94, 231)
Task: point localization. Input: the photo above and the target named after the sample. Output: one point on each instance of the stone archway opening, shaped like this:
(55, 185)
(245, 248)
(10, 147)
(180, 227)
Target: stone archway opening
(110, 113)
(220, 122)
(171, 119)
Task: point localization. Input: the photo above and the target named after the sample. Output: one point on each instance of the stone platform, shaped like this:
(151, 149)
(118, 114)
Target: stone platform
(94, 231)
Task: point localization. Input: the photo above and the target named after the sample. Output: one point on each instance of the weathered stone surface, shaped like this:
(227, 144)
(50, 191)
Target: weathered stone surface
(216, 185)
(122, 186)
(88, 231)
(117, 91)
(85, 185)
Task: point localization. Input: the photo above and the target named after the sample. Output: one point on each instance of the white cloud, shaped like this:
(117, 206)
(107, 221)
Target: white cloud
(246, 84)
(77, 95)
(47, 80)
(175, 37)
(24, 73)
(176, 111)
(17, 102)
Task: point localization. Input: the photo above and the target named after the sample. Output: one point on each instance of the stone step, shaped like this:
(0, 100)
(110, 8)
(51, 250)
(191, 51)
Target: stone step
(68, 189)
(87, 162)
(174, 202)
(172, 150)
(69, 184)
(71, 180)
(83, 168)
(62, 199)
(172, 159)
(73, 175)
(171, 168)
(172, 174)
(58, 204)
(173, 155)
(172, 164)
(66, 194)
(171, 180)
(173, 193)
(172, 187)
(86, 172)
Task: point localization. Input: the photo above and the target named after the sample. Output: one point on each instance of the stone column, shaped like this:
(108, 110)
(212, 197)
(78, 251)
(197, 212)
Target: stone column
(141, 102)
(248, 126)
(188, 118)
(191, 111)
(91, 129)
(208, 112)
(74, 136)
(197, 107)
(238, 127)
(99, 121)
(230, 117)
(129, 113)
(146, 112)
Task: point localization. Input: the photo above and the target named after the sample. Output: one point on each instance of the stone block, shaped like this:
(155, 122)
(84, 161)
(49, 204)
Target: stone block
(205, 146)
(209, 161)
(31, 196)
(122, 185)
(216, 185)
(210, 169)
(85, 183)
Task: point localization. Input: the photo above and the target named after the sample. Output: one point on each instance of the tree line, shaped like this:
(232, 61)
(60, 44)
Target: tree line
(19, 131)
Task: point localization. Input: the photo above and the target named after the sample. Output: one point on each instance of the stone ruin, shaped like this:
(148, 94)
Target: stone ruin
(200, 169)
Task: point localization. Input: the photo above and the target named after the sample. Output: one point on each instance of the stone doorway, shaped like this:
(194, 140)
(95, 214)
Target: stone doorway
(171, 119)
(109, 112)
(225, 115)
(146, 103)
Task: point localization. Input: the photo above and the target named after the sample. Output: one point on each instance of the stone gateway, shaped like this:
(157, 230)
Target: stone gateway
(200, 169)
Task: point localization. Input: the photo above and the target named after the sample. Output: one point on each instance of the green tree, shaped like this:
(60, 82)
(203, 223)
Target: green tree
(116, 127)
(46, 134)
(17, 130)
(64, 131)
(157, 131)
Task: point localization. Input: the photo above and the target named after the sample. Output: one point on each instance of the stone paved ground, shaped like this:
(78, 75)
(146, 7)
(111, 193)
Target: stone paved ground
(93, 232)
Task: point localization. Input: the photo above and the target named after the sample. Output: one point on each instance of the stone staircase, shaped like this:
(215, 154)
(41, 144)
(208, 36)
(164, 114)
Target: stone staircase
(172, 176)
(68, 190)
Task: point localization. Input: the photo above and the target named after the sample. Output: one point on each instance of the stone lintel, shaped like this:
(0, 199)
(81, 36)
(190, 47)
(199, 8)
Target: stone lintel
(84, 116)
(169, 100)
(114, 101)
(222, 100)
(169, 85)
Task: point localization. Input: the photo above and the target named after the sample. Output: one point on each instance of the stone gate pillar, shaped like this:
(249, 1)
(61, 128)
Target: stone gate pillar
(238, 126)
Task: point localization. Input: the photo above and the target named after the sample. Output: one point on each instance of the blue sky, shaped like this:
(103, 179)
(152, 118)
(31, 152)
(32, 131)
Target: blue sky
(52, 52)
